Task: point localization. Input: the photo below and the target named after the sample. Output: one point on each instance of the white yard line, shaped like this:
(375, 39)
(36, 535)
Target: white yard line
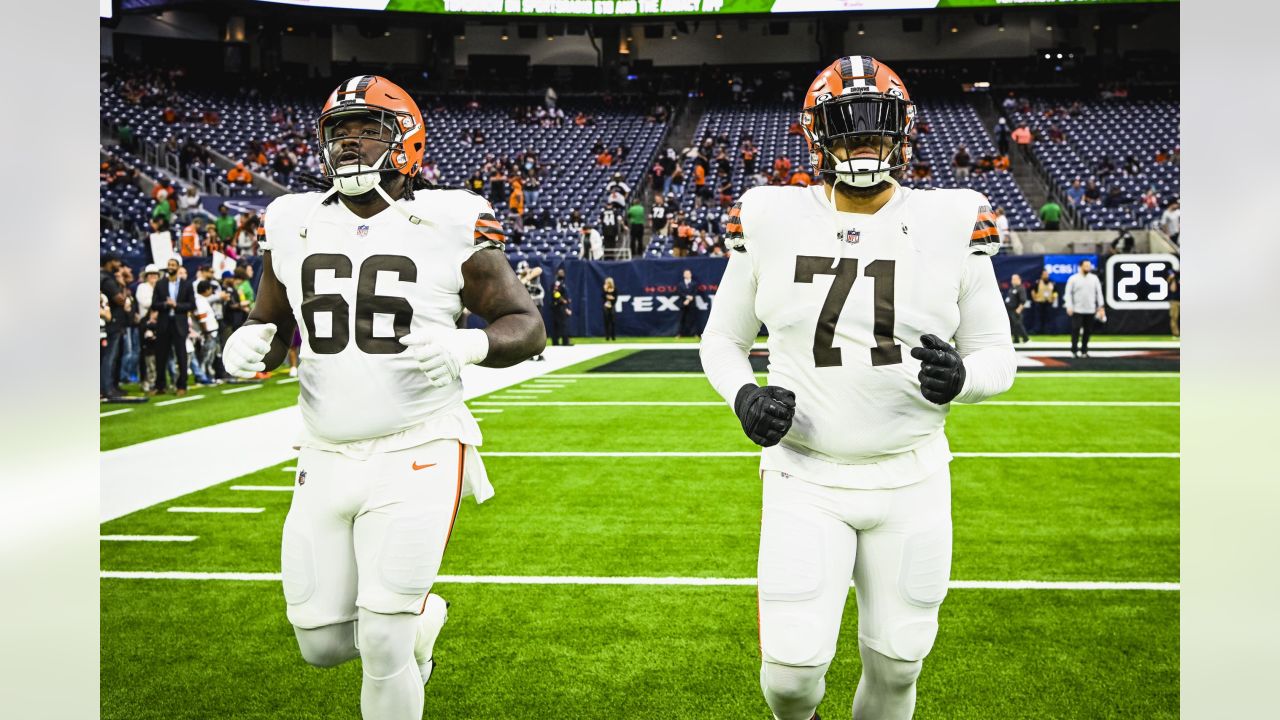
(289, 468)
(286, 381)
(475, 411)
(601, 403)
(1077, 455)
(717, 403)
(264, 488)
(651, 581)
(1073, 403)
(1072, 455)
(175, 401)
(1020, 376)
(231, 510)
(147, 538)
(109, 413)
(242, 388)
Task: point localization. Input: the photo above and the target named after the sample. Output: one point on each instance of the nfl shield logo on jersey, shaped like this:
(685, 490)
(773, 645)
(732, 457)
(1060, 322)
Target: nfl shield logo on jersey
(362, 231)
(851, 236)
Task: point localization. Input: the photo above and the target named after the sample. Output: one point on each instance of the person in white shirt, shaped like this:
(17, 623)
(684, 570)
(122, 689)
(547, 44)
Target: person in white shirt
(1171, 221)
(1008, 239)
(147, 363)
(863, 285)
(207, 327)
(592, 244)
(1084, 303)
(188, 203)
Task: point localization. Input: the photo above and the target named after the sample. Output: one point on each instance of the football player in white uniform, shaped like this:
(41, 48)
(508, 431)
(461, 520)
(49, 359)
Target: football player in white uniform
(859, 281)
(376, 276)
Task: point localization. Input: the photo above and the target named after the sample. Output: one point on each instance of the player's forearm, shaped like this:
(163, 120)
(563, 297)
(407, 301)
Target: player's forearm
(987, 373)
(726, 363)
(514, 338)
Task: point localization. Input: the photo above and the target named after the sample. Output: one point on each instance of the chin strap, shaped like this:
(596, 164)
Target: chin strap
(302, 229)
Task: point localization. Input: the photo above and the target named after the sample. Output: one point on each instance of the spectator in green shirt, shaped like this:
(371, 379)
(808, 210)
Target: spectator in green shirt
(244, 286)
(162, 209)
(635, 218)
(1051, 215)
(225, 225)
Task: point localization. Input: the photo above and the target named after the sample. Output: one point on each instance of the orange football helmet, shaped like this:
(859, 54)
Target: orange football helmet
(857, 101)
(404, 132)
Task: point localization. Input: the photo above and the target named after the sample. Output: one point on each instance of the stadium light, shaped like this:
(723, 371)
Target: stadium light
(1059, 56)
(505, 36)
(862, 29)
(955, 28)
(1048, 28)
(1047, 56)
(1097, 28)
(386, 33)
(1000, 27)
(289, 29)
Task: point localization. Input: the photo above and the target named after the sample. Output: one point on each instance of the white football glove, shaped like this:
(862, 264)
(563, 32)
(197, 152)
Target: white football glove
(243, 353)
(442, 353)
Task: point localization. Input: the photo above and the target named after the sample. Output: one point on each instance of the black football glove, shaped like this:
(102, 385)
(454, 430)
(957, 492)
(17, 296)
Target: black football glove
(942, 373)
(765, 412)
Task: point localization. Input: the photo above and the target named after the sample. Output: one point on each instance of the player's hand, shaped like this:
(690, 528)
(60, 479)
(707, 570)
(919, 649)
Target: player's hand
(765, 412)
(242, 356)
(442, 353)
(941, 372)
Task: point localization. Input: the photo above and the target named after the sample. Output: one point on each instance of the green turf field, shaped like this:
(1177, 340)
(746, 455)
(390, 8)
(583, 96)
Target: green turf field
(222, 648)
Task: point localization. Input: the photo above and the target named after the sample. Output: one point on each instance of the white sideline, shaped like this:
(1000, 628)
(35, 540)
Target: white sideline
(132, 479)
(229, 510)
(147, 538)
(658, 581)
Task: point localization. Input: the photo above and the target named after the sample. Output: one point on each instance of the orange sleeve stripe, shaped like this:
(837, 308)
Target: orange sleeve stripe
(983, 234)
(988, 217)
(493, 237)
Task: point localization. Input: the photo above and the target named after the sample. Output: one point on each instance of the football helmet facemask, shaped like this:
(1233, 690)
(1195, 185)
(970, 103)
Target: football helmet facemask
(402, 132)
(857, 106)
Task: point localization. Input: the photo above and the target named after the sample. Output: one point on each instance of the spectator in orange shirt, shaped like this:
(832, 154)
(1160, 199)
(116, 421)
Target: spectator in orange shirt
(604, 159)
(1002, 162)
(191, 238)
(782, 167)
(1022, 135)
(801, 178)
(700, 190)
(516, 200)
(748, 157)
(239, 174)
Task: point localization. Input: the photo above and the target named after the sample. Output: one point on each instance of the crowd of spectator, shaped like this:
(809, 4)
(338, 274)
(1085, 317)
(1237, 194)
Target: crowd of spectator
(163, 328)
